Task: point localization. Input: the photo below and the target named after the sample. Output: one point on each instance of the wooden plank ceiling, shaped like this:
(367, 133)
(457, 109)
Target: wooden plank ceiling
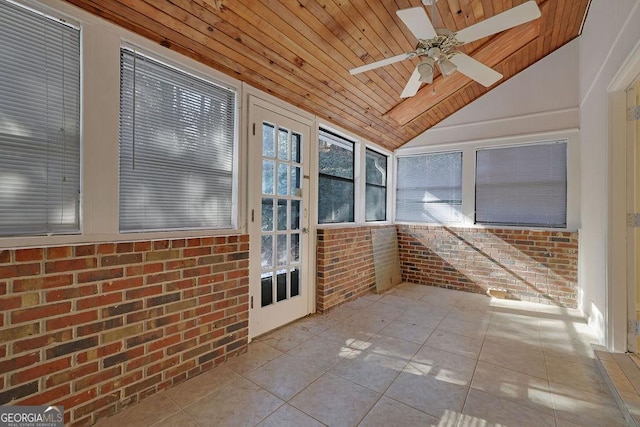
(301, 51)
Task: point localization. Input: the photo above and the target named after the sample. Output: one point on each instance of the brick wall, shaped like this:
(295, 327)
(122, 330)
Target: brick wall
(100, 326)
(345, 267)
(538, 266)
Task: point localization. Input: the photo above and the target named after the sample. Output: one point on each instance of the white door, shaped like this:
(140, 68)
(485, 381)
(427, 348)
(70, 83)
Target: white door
(278, 218)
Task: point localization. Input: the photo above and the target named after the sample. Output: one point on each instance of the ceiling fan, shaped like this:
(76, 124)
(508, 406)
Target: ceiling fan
(438, 46)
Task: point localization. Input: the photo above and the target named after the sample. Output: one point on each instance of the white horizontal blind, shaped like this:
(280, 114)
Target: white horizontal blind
(177, 142)
(39, 124)
(429, 188)
(522, 186)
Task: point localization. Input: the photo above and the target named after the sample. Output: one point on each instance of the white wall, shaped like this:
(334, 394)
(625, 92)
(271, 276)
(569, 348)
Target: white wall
(542, 98)
(611, 31)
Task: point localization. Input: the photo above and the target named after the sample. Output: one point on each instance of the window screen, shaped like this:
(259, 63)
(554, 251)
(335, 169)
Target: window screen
(335, 181)
(429, 188)
(177, 141)
(39, 124)
(376, 186)
(524, 185)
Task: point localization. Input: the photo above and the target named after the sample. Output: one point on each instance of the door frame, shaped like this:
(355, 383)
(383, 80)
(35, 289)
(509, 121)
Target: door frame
(621, 293)
(309, 183)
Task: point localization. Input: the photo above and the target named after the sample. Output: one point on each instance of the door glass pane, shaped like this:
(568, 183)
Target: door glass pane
(282, 249)
(295, 214)
(283, 144)
(283, 178)
(295, 182)
(268, 140)
(267, 214)
(282, 214)
(267, 176)
(267, 251)
(281, 287)
(296, 141)
(295, 282)
(266, 291)
(295, 248)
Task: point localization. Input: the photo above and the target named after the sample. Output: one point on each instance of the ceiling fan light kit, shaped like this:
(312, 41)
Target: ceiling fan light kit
(425, 69)
(439, 46)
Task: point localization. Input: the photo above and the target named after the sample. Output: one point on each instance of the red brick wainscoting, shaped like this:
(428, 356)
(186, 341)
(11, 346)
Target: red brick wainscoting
(538, 266)
(97, 327)
(345, 267)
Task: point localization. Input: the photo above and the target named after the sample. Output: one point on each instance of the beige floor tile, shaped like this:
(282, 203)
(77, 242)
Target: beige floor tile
(427, 393)
(179, 419)
(393, 347)
(482, 409)
(285, 338)
(520, 388)
(388, 412)
(390, 311)
(323, 352)
(454, 343)
(348, 337)
(285, 376)
(583, 411)
(564, 423)
(512, 355)
(257, 355)
(398, 301)
(241, 403)
(196, 388)
(358, 304)
(444, 365)
(149, 411)
(423, 317)
(371, 297)
(578, 376)
(468, 315)
(288, 416)
(369, 322)
(475, 329)
(315, 323)
(370, 370)
(335, 401)
(407, 331)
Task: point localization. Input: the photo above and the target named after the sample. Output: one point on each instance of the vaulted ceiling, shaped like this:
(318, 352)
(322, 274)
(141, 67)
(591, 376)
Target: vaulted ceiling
(301, 51)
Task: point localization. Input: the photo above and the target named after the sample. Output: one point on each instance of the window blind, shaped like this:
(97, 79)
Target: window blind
(524, 185)
(39, 124)
(429, 188)
(177, 145)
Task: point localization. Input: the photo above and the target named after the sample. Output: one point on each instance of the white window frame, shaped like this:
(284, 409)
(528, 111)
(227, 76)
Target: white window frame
(360, 148)
(134, 50)
(388, 159)
(469, 148)
(100, 108)
(54, 16)
(395, 186)
(508, 224)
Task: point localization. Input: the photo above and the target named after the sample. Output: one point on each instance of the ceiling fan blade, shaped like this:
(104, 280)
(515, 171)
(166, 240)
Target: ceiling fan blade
(503, 21)
(381, 63)
(475, 70)
(412, 85)
(417, 20)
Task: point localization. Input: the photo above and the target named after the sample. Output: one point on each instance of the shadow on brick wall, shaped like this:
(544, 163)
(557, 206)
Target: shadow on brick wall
(531, 265)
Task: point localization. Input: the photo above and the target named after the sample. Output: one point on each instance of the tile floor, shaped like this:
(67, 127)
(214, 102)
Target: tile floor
(415, 356)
